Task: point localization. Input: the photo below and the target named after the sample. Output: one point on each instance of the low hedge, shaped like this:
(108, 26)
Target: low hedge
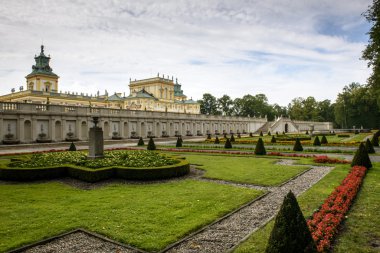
(95, 175)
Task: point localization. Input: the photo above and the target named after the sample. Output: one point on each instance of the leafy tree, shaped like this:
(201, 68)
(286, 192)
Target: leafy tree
(260, 149)
(208, 104)
(297, 145)
(290, 232)
(151, 145)
(225, 105)
(361, 157)
(372, 52)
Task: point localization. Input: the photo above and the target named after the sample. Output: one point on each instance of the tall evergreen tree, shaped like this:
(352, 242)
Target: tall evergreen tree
(290, 232)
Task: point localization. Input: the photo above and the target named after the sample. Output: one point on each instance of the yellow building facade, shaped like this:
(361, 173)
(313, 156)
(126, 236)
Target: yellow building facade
(152, 94)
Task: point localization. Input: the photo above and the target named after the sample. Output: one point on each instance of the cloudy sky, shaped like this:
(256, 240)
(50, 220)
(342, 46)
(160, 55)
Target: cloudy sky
(282, 48)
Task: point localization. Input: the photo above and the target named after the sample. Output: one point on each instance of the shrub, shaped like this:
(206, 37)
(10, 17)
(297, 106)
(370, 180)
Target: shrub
(369, 147)
(356, 131)
(72, 147)
(225, 136)
(250, 135)
(361, 157)
(179, 143)
(208, 136)
(324, 140)
(276, 133)
(141, 142)
(375, 140)
(343, 135)
(297, 145)
(273, 140)
(316, 141)
(232, 138)
(261, 133)
(216, 140)
(238, 135)
(269, 133)
(307, 132)
(260, 149)
(151, 145)
(228, 144)
(290, 232)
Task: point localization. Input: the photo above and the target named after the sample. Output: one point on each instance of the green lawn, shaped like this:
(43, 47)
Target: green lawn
(361, 231)
(244, 169)
(147, 216)
(309, 201)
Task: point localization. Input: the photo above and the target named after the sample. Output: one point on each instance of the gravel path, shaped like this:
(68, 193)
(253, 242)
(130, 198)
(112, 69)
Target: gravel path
(224, 235)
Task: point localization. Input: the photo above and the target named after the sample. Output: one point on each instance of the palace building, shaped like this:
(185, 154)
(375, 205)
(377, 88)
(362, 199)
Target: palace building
(153, 94)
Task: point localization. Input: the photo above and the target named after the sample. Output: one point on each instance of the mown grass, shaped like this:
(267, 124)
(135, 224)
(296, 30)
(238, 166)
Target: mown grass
(253, 170)
(361, 231)
(149, 216)
(308, 201)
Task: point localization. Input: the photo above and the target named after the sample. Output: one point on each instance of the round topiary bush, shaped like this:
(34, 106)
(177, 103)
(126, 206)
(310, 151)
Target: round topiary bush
(72, 147)
(316, 141)
(232, 139)
(179, 142)
(290, 232)
(297, 145)
(228, 144)
(216, 140)
(361, 157)
(369, 147)
(324, 140)
(151, 145)
(140, 142)
(260, 149)
(273, 140)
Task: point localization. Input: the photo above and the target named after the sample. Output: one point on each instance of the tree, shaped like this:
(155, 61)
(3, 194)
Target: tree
(72, 147)
(151, 145)
(316, 141)
(297, 145)
(324, 140)
(290, 232)
(225, 105)
(372, 52)
(208, 104)
(179, 143)
(228, 144)
(369, 147)
(140, 142)
(361, 157)
(260, 149)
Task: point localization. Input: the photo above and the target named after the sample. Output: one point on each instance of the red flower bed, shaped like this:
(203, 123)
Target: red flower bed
(324, 223)
(326, 159)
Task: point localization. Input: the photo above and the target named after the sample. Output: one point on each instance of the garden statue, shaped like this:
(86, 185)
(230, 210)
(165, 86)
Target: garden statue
(95, 143)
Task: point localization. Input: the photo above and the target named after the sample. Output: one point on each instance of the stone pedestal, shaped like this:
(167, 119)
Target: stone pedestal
(96, 147)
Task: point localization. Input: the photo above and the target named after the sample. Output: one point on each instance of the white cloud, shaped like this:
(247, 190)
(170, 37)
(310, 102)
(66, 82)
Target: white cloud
(284, 49)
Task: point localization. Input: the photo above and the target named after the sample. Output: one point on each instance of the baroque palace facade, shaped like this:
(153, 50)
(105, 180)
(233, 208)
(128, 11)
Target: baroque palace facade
(155, 107)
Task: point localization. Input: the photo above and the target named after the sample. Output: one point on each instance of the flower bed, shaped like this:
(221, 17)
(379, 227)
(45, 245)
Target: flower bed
(324, 223)
(326, 159)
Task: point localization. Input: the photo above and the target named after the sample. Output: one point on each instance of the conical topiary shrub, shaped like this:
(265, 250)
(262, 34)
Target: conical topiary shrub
(228, 144)
(273, 140)
(232, 139)
(269, 134)
(369, 147)
(260, 149)
(375, 140)
(316, 141)
(238, 135)
(216, 140)
(290, 232)
(72, 147)
(297, 145)
(208, 136)
(307, 132)
(361, 157)
(250, 134)
(261, 133)
(324, 140)
(151, 145)
(141, 142)
(179, 142)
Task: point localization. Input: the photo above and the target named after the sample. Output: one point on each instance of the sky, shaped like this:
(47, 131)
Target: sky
(281, 48)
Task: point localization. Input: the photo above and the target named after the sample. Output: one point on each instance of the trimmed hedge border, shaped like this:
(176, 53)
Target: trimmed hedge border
(94, 175)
